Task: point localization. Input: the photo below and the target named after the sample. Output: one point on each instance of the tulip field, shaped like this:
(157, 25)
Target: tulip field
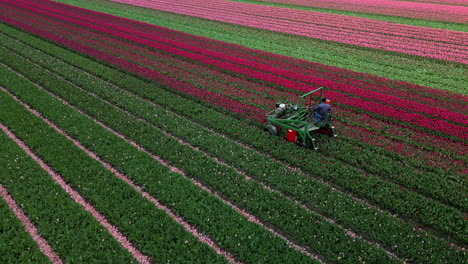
(131, 131)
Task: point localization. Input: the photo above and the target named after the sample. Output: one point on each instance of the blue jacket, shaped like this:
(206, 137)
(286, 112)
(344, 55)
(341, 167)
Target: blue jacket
(321, 108)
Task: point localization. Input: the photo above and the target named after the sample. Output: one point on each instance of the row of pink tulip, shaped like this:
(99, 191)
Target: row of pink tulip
(366, 81)
(426, 10)
(330, 33)
(317, 19)
(445, 2)
(262, 13)
(303, 16)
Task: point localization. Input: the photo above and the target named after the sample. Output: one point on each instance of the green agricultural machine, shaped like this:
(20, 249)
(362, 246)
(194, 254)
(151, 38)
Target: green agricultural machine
(297, 123)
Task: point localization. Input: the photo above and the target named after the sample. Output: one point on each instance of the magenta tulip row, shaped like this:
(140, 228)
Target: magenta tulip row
(426, 10)
(404, 149)
(388, 40)
(378, 84)
(367, 106)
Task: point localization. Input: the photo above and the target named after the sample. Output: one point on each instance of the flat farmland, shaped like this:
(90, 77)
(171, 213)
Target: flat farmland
(132, 132)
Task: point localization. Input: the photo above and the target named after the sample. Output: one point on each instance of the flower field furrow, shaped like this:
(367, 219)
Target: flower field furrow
(21, 245)
(436, 124)
(25, 227)
(161, 133)
(124, 100)
(124, 242)
(296, 28)
(226, 174)
(278, 61)
(181, 244)
(251, 218)
(128, 99)
(425, 10)
(73, 232)
(179, 220)
(271, 103)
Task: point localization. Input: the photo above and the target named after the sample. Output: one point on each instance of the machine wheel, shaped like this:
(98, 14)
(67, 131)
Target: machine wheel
(327, 130)
(272, 130)
(309, 144)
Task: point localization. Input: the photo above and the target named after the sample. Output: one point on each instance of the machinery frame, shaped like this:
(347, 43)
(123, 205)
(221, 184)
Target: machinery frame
(297, 122)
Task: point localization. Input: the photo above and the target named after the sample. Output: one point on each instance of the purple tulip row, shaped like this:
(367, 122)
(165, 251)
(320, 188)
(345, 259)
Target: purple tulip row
(389, 40)
(442, 11)
(424, 95)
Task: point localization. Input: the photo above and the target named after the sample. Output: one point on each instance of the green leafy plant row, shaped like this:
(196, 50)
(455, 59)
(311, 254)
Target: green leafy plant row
(71, 231)
(159, 237)
(16, 245)
(304, 226)
(242, 130)
(347, 216)
(151, 229)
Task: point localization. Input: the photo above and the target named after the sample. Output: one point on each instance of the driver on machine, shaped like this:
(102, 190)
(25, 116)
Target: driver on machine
(321, 109)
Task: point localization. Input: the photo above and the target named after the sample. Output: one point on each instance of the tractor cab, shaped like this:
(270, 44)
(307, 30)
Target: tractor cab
(297, 123)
